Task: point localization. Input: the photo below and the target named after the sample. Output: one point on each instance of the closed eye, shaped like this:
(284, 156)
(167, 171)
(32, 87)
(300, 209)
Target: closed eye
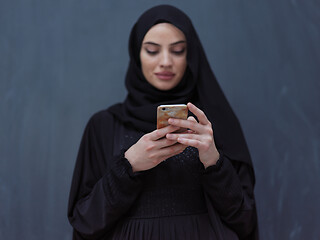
(180, 52)
(151, 52)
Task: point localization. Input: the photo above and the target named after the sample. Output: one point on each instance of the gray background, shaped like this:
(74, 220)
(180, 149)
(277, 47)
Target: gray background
(63, 60)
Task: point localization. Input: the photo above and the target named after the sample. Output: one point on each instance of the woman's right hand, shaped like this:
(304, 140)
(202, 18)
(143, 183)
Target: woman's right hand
(153, 148)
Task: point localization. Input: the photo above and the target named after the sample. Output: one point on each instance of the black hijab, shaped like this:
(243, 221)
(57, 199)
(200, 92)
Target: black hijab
(198, 86)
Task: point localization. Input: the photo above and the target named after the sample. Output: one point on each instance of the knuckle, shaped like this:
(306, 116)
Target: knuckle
(150, 147)
(158, 134)
(197, 144)
(206, 146)
(153, 156)
(145, 137)
(191, 124)
(207, 140)
(210, 131)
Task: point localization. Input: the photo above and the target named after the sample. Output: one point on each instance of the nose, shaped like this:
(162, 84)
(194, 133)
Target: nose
(166, 59)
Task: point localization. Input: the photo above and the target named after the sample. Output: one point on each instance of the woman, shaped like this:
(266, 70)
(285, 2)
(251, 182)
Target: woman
(132, 181)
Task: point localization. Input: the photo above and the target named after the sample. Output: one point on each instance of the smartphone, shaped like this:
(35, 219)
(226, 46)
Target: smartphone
(164, 112)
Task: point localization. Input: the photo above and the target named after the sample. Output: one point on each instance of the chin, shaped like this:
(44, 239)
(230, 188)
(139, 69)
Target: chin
(165, 87)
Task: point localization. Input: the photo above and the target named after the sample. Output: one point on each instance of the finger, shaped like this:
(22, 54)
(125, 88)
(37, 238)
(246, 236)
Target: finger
(191, 118)
(172, 150)
(189, 142)
(195, 126)
(160, 133)
(174, 137)
(165, 142)
(199, 113)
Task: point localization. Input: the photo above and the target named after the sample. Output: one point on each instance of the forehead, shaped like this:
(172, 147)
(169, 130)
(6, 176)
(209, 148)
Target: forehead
(164, 32)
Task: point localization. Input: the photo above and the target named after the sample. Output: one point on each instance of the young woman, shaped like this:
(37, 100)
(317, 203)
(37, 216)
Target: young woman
(132, 181)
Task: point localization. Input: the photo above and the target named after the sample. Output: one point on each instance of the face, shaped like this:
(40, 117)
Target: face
(163, 56)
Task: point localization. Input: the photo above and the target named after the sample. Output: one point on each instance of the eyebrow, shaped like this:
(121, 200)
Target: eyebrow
(156, 44)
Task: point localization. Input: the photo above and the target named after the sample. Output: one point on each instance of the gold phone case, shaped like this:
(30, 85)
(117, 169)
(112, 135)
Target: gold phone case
(164, 112)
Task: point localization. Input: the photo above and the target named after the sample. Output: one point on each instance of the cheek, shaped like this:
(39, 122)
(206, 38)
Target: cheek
(143, 58)
(147, 66)
(144, 62)
(182, 65)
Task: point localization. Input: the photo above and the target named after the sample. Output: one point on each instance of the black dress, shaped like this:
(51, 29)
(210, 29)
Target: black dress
(178, 199)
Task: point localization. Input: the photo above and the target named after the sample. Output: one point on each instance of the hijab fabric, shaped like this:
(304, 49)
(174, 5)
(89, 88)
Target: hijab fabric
(198, 86)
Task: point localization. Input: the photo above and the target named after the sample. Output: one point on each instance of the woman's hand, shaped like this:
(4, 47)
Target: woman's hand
(153, 148)
(199, 135)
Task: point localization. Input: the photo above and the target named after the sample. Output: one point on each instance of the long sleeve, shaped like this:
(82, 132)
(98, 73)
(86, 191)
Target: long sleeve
(229, 189)
(103, 186)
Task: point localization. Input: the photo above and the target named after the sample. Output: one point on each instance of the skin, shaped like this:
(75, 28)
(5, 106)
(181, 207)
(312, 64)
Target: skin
(199, 135)
(152, 148)
(164, 49)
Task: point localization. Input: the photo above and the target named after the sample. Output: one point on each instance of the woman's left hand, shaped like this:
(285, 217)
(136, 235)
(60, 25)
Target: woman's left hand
(199, 135)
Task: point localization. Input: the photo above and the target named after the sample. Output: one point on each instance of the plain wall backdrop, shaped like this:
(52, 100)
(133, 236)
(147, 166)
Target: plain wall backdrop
(63, 60)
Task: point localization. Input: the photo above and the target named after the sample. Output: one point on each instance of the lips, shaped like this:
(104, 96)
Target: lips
(165, 75)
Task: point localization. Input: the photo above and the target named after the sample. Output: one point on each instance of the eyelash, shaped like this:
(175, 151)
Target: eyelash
(151, 52)
(174, 52)
(178, 52)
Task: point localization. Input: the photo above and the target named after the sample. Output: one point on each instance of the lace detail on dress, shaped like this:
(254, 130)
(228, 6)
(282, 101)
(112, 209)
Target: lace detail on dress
(172, 188)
